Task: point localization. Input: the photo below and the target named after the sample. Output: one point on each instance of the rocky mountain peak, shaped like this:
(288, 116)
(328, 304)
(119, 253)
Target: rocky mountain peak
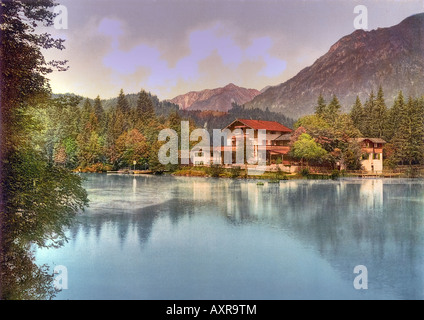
(356, 64)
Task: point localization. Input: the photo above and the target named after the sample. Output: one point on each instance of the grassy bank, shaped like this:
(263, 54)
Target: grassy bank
(238, 173)
(234, 173)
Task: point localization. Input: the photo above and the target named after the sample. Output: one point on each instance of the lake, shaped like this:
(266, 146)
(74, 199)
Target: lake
(165, 237)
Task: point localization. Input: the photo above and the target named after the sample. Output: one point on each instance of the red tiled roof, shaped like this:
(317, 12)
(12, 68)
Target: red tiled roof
(266, 125)
(278, 149)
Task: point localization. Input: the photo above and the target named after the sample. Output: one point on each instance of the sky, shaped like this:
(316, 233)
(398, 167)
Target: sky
(171, 47)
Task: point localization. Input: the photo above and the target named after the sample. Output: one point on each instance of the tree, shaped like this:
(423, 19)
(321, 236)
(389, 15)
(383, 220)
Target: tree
(321, 106)
(123, 104)
(408, 140)
(367, 130)
(351, 156)
(333, 110)
(305, 148)
(154, 164)
(144, 107)
(99, 111)
(378, 116)
(114, 128)
(132, 146)
(393, 116)
(358, 115)
(123, 111)
(39, 199)
(334, 138)
(87, 109)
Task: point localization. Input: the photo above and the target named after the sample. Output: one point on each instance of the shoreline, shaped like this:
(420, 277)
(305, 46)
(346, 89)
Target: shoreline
(273, 176)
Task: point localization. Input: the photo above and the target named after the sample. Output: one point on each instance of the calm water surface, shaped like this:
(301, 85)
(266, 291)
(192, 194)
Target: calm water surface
(149, 237)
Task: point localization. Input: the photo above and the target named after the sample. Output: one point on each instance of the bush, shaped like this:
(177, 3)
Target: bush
(215, 170)
(280, 175)
(235, 172)
(335, 174)
(412, 172)
(304, 172)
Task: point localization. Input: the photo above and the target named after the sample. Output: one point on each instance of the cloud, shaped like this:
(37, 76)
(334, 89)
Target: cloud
(203, 44)
(110, 27)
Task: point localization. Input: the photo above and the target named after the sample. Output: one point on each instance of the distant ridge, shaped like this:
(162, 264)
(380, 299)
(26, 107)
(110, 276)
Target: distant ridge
(219, 99)
(356, 64)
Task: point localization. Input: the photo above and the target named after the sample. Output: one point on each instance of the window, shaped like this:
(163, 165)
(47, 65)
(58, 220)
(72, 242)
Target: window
(365, 156)
(376, 156)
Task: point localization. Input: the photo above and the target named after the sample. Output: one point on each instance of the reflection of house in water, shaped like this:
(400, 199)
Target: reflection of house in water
(202, 190)
(371, 195)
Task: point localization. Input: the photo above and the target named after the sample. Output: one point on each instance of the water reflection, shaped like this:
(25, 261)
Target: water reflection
(377, 223)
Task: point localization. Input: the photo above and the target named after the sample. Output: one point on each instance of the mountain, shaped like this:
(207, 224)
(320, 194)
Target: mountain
(219, 99)
(358, 63)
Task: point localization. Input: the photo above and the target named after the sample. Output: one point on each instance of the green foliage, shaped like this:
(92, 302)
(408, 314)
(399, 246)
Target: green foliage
(379, 116)
(213, 120)
(357, 114)
(304, 172)
(215, 170)
(99, 111)
(376, 115)
(321, 106)
(312, 123)
(335, 174)
(393, 116)
(42, 199)
(235, 172)
(408, 140)
(144, 109)
(39, 198)
(280, 175)
(305, 148)
(332, 110)
(132, 146)
(154, 163)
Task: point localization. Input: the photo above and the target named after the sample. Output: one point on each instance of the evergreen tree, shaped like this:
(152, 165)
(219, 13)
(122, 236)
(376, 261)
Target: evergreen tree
(332, 110)
(144, 112)
(122, 113)
(378, 121)
(321, 106)
(87, 109)
(122, 104)
(368, 111)
(394, 116)
(357, 115)
(145, 106)
(116, 125)
(408, 139)
(99, 111)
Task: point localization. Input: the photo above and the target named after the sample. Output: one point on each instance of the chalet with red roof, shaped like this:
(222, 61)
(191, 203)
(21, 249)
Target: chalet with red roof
(277, 137)
(372, 154)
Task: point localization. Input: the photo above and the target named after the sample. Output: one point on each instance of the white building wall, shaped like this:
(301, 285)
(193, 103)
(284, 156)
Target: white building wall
(373, 165)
